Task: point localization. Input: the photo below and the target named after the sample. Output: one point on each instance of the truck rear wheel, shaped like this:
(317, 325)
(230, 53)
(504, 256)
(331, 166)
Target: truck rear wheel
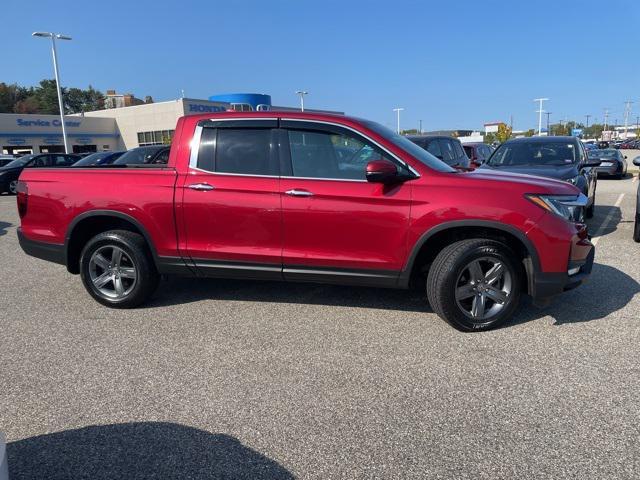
(475, 284)
(117, 269)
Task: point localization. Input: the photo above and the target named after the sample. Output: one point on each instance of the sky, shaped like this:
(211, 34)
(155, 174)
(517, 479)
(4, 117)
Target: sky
(455, 64)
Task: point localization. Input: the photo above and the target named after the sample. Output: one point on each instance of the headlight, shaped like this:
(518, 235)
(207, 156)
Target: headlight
(569, 207)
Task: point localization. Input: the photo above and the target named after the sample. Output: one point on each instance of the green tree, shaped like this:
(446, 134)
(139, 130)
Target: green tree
(490, 137)
(47, 97)
(504, 133)
(530, 133)
(77, 100)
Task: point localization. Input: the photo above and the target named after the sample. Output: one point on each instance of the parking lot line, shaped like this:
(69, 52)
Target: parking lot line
(607, 220)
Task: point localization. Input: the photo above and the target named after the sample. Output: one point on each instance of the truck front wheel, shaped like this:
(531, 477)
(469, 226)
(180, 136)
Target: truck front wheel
(475, 284)
(117, 269)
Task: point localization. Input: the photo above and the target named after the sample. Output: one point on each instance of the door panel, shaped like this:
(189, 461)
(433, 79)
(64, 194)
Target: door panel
(232, 221)
(335, 223)
(350, 225)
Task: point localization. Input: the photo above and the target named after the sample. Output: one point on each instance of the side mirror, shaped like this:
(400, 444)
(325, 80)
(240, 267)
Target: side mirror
(592, 162)
(636, 161)
(382, 171)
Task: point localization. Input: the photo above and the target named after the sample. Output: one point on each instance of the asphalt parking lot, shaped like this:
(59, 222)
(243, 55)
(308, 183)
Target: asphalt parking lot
(230, 379)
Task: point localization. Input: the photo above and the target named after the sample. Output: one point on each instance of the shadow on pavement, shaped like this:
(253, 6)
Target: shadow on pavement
(601, 213)
(180, 290)
(3, 227)
(138, 450)
(607, 291)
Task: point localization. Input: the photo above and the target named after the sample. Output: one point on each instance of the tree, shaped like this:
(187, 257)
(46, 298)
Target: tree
(529, 133)
(28, 105)
(490, 137)
(77, 100)
(504, 133)
(411, 131)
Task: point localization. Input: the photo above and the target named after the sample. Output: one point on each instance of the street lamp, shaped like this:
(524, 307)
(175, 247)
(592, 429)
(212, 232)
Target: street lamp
(53, 37)
(398, 110)
(540, 112)
(302, 93)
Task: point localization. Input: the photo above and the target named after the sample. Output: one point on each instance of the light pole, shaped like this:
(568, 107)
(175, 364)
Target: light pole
(398, 110)
(56, 70)
(302, 93)
(548, 115)
(540, 112)
(588, 117)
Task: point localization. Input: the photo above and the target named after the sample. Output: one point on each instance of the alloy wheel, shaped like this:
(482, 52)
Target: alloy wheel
(483, 288)
(112, 272)
(13, 186)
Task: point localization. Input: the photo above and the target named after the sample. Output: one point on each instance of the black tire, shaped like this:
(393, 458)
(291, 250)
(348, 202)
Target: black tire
(139, 258)
(13, 185)
(636, 228)
(446, 271)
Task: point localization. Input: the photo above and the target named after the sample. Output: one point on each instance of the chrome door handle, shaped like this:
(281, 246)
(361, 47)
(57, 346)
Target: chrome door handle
(299, 193)
(203, 187)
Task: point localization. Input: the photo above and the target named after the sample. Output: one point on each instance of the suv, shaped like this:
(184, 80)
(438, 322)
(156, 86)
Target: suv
(561, 158)
(447, 149)
(11, 171)
(478, 153)
(286, 196)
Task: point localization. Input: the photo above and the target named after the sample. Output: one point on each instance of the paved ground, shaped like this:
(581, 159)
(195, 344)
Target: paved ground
(227, 379)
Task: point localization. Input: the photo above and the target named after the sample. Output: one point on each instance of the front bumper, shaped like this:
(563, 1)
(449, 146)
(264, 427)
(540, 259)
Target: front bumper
(46, 251)
(579, 266)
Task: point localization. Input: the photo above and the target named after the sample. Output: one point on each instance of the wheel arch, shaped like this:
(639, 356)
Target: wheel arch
(88, 224)
(431, 243)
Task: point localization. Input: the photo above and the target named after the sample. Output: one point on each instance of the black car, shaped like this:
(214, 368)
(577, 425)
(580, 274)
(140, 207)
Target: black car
(447, 149)
(98, 158)
(154, 154)
(560, 158)
(9, 173)
(612, 162)
(4, 159)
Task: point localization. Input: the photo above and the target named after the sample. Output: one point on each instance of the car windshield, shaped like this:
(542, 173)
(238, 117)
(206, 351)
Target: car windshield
(407, 145)
(98, 158)
(535, 153)
(19, 162)
(138, 156)
(603, 153)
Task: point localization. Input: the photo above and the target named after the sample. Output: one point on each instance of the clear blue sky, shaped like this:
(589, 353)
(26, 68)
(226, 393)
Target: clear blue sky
(454, 64)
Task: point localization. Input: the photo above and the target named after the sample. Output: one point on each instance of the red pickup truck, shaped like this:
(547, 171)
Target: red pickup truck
(312, 198)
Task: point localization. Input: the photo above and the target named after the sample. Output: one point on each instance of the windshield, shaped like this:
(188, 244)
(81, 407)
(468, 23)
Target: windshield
(19, 162)
(407, 145)
(98, 158)
(138, 156)
(603, 153)
(514, 154)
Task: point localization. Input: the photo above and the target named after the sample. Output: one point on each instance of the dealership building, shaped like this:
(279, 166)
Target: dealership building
(117, 128)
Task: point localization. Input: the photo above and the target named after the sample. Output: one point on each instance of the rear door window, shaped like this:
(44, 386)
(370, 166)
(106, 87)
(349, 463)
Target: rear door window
(458, 149)
(240, 151)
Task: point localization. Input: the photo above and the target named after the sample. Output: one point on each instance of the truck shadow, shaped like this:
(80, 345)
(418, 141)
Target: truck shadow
(607, 291)
(600, 215)
(175, 291)
(3, 227)
(138, 450)
(588, 302)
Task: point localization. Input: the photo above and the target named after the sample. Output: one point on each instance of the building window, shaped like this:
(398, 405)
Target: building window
(157, 137)
(241, 107)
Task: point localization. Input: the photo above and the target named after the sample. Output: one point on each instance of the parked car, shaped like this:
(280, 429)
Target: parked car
(561, 158)
(10, 172)
(447, 149)
(636, 227)
(612, 162)
(98, 158)
(590, 146)
(151, 155)
(478, 153)
(4, 159)
(265, 195)
(603, 144)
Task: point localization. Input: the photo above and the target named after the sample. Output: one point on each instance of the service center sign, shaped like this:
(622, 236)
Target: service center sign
(46, 123)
